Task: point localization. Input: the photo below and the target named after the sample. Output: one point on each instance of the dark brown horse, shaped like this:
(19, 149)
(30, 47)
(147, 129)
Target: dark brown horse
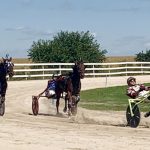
(6, 68)
(71, 85)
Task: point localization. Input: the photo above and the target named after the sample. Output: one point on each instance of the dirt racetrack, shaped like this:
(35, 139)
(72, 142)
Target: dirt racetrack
(89, 130)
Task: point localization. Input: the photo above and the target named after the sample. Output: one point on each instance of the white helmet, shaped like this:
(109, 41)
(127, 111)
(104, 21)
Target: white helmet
(129, 80)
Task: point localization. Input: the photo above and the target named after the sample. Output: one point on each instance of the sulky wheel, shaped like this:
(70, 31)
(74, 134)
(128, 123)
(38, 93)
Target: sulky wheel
(2, 109)
(35, 105)
(133, 121)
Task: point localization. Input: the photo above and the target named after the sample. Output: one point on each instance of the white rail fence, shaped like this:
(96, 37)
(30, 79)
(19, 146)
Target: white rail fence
(43, 70)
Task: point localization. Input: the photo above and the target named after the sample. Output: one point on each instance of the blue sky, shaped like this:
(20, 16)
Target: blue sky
(122, 27)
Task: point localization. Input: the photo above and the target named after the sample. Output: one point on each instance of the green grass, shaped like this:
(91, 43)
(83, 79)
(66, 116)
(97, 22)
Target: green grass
(110, 98)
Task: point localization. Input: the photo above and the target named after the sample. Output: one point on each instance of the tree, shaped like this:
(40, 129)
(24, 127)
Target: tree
(40, 51)
(67, 47)
(144, 57)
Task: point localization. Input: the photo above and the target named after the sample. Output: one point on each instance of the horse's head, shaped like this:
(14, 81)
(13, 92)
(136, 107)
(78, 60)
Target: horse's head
(79, 69)
(8, 65)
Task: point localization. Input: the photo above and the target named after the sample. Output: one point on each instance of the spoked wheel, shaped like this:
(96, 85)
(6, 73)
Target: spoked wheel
(74, 106)
(2, 109)
(133, 121)
(35, 105)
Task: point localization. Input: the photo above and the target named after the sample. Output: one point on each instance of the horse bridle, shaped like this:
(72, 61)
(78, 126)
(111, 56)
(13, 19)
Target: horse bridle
(9, 67)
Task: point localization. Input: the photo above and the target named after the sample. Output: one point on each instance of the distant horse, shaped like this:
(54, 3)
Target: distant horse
(6, 68)
(71, 85)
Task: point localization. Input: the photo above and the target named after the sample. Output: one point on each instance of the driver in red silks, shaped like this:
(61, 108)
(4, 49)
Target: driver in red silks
(137, 90)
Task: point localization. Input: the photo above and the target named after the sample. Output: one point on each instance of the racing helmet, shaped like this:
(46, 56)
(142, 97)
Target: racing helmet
(129, 80)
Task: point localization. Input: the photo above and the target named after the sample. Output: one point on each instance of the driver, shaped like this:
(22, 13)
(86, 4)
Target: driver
(50, 89)
(137, 90)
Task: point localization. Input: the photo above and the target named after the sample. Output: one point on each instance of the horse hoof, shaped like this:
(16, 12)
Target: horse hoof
(65, 109)
(58, 114)
(69, 113)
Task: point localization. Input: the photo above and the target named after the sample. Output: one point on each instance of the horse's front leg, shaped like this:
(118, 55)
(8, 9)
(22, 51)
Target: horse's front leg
(57, 102)
(69, 103)
(65, 108)
(3, 91)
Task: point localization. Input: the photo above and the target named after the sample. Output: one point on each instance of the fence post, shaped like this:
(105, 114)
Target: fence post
(59, 69)
(126, 69)
(43, 71)
(93, 71)
(26, 72)
(106, 82)
(141, 69)
(109, 70)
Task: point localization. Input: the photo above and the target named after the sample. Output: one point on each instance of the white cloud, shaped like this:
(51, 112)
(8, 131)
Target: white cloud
(30, 31)
(19, 28)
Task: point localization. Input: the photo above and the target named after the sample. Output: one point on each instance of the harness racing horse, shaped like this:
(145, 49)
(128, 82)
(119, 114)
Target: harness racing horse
(6, 68)
(71, 85)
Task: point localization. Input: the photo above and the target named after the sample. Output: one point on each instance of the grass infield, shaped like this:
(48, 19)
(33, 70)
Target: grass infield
(110, 98)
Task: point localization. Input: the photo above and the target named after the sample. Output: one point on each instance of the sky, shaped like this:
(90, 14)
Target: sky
(122, 27)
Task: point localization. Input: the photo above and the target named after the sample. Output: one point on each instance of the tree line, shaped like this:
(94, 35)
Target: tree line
(67, 47)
